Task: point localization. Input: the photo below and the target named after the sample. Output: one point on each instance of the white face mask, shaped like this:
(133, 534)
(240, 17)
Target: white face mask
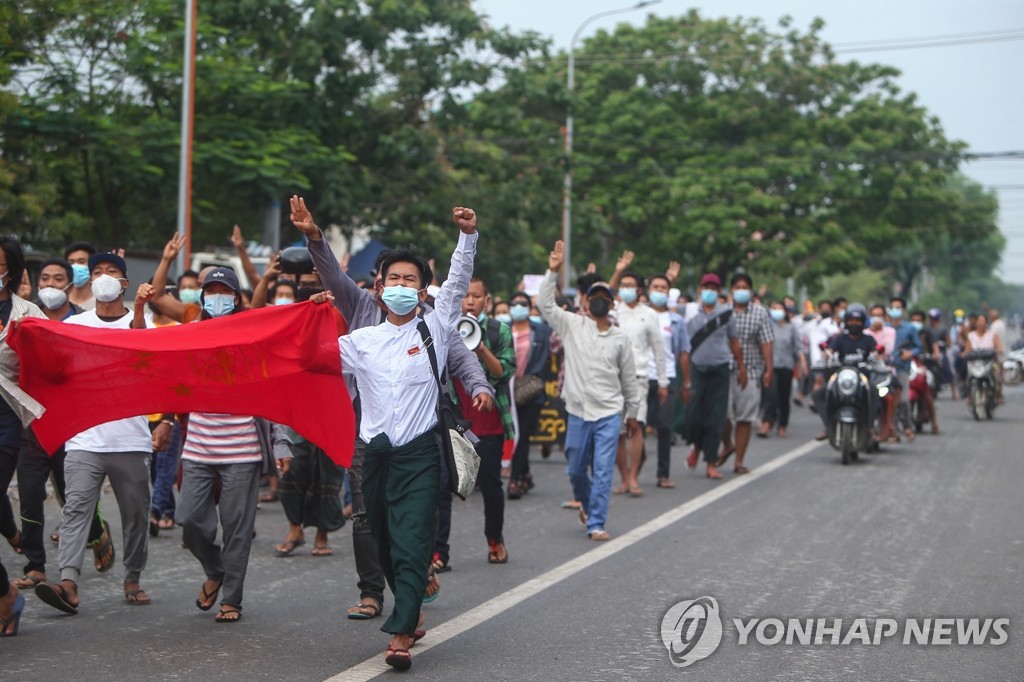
(53, 298)
(106, 288)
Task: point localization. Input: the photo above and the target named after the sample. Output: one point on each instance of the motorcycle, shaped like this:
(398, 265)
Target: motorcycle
(922, 378)
(981, 383)
(1013, 367)
(852, 402)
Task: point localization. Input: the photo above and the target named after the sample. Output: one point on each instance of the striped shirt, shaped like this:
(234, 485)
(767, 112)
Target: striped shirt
(221, 439)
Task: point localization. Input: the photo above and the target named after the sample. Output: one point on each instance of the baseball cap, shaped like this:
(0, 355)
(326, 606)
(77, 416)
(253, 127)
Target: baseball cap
(935, 313)
(111, 258)
(600, 286)
(710, 278)
(225, 276)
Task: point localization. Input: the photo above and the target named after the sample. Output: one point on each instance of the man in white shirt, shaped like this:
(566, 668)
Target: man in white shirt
(600, 391)
(399, 394)
(118, 450)
(640, 323)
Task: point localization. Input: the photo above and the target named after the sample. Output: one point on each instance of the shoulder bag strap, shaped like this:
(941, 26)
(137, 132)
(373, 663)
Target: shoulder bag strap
(709, 328)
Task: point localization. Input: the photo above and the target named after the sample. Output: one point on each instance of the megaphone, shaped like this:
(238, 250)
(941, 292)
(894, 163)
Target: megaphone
(469, 330)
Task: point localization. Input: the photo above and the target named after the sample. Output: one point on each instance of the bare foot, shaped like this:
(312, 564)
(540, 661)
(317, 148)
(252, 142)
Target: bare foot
(7, 609)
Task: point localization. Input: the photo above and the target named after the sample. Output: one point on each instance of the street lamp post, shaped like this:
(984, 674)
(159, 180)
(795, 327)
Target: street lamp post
(571, 81)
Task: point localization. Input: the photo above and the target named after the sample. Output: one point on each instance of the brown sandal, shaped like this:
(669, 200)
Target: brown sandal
(137, 597)
(366, 609)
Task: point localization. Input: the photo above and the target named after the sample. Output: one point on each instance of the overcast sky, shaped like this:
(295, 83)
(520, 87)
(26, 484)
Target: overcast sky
(974, 89)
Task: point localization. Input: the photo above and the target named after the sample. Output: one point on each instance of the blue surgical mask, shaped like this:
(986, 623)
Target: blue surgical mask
(842, 314)
(283, 301)
(536, 319)
(917, 325)
(708, 296)
(959, 320)
(218, 304)
(503, 317)
(482, 318)
(400, 300)
(778, 315)
(895, 313)
(659, 299)
(741, 296)
(627, 294)
(188, 295)
(518, 312)
(80, 275)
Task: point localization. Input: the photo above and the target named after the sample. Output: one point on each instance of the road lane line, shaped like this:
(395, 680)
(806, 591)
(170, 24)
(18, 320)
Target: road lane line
(375, 666)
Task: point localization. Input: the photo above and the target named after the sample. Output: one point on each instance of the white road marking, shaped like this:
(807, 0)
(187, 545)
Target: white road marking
(372, 667)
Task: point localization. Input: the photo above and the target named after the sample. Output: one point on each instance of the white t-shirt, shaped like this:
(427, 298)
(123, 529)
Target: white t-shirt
(665, 325)
(819, 331)
(123, 435)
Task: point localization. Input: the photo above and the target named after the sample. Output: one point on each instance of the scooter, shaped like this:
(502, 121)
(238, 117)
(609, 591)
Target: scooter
(852, 404)
(922, 379)
(1013, 367)
(981, 383)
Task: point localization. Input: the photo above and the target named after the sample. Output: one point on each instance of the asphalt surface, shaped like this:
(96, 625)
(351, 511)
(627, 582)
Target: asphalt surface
(930, 529)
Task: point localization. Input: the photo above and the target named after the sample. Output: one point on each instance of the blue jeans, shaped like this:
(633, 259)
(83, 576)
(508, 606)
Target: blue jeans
(165, 471)
(592, 445)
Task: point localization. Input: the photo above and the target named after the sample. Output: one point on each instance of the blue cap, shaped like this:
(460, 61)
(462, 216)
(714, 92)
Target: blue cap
(112, 258)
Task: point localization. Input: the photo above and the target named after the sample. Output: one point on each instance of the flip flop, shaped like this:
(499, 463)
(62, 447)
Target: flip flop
(665, 483)
(636, 492)
(137, 597)
(55, 596)
(28, 582)
(19, 607)
(208, 596)
(322, 551)
(722, 459)
(290, 546)
(741, 470)
(99, 550)
(399, 659)
(620, 490)
(359, 611)
(228, 610)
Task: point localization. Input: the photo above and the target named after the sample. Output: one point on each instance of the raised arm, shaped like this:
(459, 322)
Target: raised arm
(621, 266)
(353, 301)
(559, 319)
(259, 294)
(162, 301)
(239, 243)
(448, 302)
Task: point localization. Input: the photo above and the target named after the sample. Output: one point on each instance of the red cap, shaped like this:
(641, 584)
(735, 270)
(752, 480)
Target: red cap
(710, 278)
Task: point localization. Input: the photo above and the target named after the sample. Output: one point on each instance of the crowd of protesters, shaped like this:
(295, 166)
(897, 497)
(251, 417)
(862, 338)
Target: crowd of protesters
(629, 356)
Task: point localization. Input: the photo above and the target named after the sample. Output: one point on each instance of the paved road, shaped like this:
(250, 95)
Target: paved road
(927, 530)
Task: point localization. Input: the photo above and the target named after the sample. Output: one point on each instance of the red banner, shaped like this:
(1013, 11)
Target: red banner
(280, 362)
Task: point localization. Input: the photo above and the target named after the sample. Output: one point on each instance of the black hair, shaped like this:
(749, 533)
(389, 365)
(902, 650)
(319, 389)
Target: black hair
(406, 256)
(838, 302)
(918, 311)
(188, 273)
(650, 280)
(62, 263)
(15, 262)
(478, 278)
(286, 283)
(823, 302)
(520, 294)
(903, 301)
(877, 305)
(629, 273)
(741, 277)
(586, 280)
(79, 246)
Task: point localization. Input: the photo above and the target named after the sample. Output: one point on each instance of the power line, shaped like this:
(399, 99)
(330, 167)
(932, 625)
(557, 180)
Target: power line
(919, 43)
(947, 36)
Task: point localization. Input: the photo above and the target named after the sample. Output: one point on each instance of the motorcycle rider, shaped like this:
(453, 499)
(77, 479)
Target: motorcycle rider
(984, 338)
(852, 341)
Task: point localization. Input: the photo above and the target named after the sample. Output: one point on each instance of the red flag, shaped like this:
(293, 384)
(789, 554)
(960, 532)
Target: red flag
(280, 362)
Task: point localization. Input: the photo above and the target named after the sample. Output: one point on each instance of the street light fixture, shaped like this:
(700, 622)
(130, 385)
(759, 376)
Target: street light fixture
(567, 187)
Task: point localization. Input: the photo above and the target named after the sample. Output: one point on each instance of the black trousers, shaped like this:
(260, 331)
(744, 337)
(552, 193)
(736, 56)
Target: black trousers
(35, 466)
(489, 479)
(660, 417)
(775, 408)
(8, 465)
(364, 547)
(529, 417)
